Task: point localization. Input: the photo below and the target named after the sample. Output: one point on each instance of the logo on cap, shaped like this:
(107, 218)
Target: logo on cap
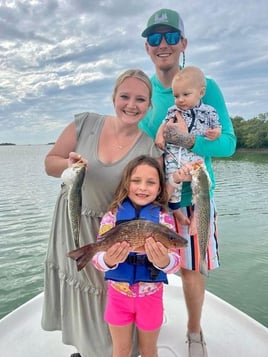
(160, 18)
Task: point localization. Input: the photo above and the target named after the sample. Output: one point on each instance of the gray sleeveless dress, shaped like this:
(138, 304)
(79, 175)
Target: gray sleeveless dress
(74, 302)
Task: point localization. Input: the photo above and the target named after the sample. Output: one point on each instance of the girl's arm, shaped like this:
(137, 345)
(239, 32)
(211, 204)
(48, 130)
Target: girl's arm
(110, 259)
(171, 259)
(116, 254)
(162, 258)
(107, 223)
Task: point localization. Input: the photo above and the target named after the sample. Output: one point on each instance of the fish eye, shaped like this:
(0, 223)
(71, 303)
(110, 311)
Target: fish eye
(171, 238)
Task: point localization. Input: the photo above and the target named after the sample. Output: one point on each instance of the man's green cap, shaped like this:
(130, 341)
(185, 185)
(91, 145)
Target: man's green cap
(165, 17)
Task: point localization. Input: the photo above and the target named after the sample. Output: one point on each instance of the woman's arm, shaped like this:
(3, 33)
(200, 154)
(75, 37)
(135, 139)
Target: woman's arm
(57, 160)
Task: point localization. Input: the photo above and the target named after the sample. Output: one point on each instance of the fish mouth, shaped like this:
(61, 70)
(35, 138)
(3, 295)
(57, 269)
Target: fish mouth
(196, 166)
(79, 164)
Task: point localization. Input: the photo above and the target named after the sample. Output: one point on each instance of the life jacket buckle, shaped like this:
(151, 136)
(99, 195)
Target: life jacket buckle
(136, 259)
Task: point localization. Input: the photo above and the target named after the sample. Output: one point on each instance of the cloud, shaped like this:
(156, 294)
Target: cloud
(58, 58)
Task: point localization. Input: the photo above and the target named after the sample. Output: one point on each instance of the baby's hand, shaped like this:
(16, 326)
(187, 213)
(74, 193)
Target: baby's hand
(212, 134)
(159, 139)
(160, 142)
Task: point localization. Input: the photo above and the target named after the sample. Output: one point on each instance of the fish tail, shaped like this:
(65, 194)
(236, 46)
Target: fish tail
(82, 255)
(203, 267)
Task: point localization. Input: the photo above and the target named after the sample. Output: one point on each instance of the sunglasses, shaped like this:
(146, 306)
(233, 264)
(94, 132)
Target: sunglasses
(172, 38)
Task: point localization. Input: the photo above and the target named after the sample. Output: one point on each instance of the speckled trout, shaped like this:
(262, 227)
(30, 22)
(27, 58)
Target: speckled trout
(73, 177)
(200, 187)
(135, 232)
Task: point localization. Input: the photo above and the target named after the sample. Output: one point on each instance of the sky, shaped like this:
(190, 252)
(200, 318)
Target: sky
(61, 57)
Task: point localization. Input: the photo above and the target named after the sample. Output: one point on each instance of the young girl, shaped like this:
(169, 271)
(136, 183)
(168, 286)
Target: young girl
(141, 189)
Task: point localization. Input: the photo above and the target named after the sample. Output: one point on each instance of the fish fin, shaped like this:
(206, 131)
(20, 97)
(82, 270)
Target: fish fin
(203, 267)
(82, 255)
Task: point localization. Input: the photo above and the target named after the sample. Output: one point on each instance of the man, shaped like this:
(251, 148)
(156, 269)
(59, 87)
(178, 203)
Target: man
(165, 43)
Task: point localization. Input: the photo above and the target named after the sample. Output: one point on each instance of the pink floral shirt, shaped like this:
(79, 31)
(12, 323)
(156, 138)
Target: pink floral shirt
(141, 288)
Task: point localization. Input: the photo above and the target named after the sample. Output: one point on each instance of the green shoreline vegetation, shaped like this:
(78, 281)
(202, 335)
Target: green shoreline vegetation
(251, 134)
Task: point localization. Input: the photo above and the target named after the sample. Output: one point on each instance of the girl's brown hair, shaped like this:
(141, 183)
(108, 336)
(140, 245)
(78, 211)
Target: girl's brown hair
(121, 192)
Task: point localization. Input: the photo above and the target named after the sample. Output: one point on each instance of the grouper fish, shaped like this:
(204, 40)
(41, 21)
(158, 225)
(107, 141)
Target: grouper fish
(73, 177)
(200, 187)
(135, 232)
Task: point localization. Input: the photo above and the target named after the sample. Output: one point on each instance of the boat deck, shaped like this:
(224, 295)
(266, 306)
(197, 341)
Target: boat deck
(228, 331)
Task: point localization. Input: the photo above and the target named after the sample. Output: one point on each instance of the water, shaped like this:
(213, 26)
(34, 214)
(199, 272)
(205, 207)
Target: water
(242, 197)
(27, 199)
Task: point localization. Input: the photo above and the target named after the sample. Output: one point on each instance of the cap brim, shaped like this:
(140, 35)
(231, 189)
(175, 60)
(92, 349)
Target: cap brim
(151, 29)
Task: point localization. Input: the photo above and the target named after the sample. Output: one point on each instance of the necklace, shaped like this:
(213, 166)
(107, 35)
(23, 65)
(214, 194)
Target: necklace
(130, 139)
(118, 147)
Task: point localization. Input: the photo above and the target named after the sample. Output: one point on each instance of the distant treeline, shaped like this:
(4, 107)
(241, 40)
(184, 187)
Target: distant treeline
(252, 133)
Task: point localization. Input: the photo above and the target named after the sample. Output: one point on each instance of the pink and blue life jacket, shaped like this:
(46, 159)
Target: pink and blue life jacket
(136, 267)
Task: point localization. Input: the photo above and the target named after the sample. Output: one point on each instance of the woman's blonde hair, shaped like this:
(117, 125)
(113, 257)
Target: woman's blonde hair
(134, 73)
(122, 190)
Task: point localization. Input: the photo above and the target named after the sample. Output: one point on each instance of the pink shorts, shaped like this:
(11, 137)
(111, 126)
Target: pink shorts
(146, 311)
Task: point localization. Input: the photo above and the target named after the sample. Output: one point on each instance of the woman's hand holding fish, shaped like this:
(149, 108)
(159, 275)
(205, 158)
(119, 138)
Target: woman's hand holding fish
(156, 253)
(74, 157)
(116, 254)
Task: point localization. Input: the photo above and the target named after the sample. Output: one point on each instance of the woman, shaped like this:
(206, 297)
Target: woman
(74, 301)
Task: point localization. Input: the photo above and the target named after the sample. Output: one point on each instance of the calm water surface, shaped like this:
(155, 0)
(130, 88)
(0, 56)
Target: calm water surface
(27, 199)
